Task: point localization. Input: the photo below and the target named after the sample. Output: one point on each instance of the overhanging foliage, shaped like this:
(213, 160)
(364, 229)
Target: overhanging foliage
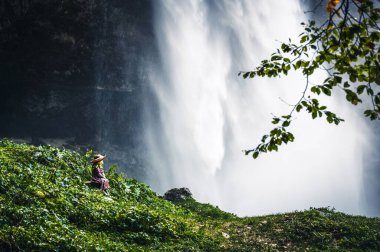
(346, 47)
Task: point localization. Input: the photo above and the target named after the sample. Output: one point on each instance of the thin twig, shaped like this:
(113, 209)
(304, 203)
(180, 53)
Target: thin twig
(303, 95)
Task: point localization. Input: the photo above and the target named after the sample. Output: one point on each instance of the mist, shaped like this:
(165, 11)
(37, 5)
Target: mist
(205, 114)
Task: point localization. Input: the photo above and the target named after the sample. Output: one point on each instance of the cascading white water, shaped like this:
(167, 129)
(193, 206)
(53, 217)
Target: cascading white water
(206, 115)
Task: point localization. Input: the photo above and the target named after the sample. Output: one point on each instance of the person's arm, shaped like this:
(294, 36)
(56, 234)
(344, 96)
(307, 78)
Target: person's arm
(101, 173)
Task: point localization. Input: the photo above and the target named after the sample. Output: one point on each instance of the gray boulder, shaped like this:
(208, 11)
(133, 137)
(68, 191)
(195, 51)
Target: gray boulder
(177, 194)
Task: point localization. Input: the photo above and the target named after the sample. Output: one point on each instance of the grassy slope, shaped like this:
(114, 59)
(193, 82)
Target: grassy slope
(46, 206)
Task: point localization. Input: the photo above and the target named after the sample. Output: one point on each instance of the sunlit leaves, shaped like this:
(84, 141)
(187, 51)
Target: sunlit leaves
(332, 5)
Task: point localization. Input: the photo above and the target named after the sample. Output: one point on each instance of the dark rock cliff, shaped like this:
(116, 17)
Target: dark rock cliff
(71, 73)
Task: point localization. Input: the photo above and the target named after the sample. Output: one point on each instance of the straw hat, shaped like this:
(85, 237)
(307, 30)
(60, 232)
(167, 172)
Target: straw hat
(98, 158)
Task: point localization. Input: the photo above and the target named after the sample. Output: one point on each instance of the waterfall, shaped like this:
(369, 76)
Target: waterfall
(202, 114)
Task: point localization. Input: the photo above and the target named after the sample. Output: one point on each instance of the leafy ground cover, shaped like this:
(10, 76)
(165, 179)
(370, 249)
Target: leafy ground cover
(45, 205)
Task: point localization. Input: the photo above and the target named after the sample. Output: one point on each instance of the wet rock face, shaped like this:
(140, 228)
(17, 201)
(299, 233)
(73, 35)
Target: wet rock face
(177, 194)
(72, 73)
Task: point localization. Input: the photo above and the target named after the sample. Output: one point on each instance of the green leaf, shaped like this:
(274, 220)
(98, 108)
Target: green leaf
(275, 120)
(285, 123)
(329, 119)
(377, 99)
(326, 91)
(314, 89)
(304, 39)
(264, 138)
(360, 89)
(338, 79)
(290, 137)
(276, 57)
(297, 65)
(369, 91)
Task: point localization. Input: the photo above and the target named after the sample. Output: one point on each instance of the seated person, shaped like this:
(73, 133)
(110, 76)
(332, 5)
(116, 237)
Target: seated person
(98, 177)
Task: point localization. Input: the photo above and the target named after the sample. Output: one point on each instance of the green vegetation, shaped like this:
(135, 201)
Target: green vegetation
(47, 206)
(345, 47)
